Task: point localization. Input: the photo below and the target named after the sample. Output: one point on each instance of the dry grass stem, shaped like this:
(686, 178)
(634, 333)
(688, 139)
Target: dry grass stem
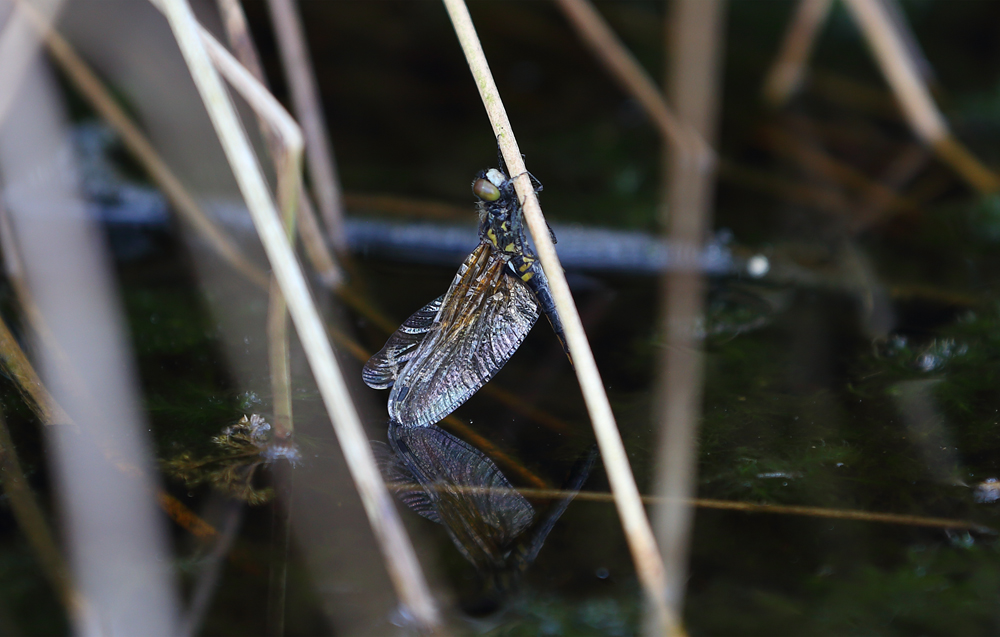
(903, 75)
(100, 98)
(401, 563)
(30, 385)
(625, 69)
(695, 34)
(306, 102)
(287, 160)
(788, 71)
(279, 364)
(638, 532)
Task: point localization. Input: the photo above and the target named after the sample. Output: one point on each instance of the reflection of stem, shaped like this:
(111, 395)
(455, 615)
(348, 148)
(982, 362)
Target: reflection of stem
(209, 575)
(280, 535)
(32, 522)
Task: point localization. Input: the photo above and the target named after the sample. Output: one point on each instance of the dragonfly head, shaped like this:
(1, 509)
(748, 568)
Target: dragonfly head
(488, 184)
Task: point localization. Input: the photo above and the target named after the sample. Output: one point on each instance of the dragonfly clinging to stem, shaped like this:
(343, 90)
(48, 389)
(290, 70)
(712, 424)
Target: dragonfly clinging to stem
(442, 354)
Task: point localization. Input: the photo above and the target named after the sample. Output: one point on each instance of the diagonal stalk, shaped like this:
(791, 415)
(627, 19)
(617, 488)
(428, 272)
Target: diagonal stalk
(638, 531)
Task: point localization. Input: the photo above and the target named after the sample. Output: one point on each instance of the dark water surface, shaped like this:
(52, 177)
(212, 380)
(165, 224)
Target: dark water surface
(859, 374)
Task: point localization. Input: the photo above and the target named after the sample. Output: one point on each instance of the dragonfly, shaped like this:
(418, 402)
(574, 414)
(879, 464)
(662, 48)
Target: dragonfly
(448, 349)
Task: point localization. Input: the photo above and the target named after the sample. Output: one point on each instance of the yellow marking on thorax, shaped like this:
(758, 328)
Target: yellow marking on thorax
(509, 248)
(492, 237)
(503, 226)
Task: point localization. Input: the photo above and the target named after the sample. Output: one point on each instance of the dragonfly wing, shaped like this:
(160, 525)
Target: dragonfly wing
(484, 318)
(479, 506)
(401, 480)
(382, 369)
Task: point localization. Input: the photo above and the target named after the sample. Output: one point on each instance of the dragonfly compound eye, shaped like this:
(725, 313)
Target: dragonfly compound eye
(485, 190)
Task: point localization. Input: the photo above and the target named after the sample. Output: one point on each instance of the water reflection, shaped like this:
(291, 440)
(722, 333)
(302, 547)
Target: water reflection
(450, 482)
(243, 448)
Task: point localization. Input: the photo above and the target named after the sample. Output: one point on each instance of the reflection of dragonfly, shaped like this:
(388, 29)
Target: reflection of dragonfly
(451, 482)
(455, 344)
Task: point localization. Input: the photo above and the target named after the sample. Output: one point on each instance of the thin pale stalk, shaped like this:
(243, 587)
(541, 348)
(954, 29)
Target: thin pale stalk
(112, 521)
(627, 71)
(306, 102)
(277, 315)
(695, 34)
(903, 75)
(100, 98)
(401, 563)
(638, 532)
(279, 364)
(788, 70)
(311, 233)
(238, 33)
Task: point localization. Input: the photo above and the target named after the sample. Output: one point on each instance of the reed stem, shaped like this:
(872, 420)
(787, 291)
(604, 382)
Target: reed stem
(401, 563)
(638, 532)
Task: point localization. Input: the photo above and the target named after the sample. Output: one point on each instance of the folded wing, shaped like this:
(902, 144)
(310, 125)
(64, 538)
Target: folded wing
(483, 319)
(382, 369)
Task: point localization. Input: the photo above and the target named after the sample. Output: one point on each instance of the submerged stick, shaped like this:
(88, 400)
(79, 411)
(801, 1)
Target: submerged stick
(638, 532)
(853, 515)
(401, 563)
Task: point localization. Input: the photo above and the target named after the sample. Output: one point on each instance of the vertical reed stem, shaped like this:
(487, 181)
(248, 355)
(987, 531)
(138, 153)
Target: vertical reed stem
(638, 532)
(309, 110)
(401, 563)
